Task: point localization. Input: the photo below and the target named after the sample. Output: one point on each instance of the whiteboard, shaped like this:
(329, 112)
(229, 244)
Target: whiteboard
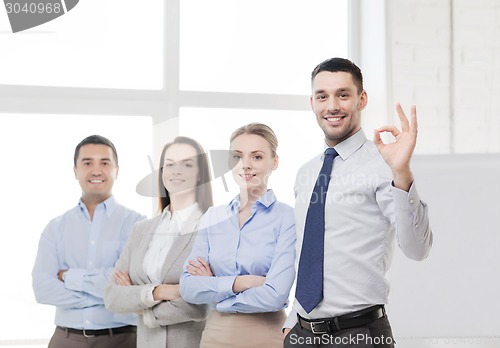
(456, 290)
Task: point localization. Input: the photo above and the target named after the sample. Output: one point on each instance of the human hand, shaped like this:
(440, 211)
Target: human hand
(166, 292)
(122, 278)
(199, 267)
(398, 154)
(60, 274)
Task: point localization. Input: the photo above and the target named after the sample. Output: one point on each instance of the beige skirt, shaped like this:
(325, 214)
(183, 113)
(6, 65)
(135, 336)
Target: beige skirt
(242, 330)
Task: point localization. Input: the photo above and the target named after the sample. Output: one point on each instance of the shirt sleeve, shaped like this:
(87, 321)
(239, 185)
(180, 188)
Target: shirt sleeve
(79, 279)
(128, 298)
(411, 221)
(47, 287)
(204, 289)
(273, 294)
(173, 312)
(94, 282)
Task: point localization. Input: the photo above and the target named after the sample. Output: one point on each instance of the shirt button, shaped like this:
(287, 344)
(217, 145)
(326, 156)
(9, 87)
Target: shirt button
(92, 242)
(87, 321)
(411, 201)
(416, 225)
(90, 263)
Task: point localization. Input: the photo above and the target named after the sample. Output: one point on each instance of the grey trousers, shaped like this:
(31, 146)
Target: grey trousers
(63, 339)
(374, 335)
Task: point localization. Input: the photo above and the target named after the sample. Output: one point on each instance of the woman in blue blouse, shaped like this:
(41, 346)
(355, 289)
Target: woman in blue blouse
(242, 262)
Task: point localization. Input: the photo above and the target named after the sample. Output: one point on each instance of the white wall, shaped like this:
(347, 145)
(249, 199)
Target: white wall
(454, 292)
(444, 56)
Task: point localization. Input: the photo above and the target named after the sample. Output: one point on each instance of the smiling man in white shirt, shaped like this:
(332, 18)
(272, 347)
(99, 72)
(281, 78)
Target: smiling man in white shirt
(370, 200)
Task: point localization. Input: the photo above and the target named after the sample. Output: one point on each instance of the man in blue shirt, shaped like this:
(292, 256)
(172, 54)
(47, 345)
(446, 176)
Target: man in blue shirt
(77, 253)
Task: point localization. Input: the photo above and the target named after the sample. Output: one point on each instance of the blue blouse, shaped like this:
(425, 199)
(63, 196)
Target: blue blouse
(264, 246)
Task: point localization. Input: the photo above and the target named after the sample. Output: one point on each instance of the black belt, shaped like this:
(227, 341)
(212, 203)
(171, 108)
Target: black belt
(91, 333)
(346, 321)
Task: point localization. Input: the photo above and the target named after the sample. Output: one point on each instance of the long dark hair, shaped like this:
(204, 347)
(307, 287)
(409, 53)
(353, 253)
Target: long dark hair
(204, 187)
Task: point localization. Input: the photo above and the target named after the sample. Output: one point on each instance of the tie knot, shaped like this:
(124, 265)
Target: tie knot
(331, 152)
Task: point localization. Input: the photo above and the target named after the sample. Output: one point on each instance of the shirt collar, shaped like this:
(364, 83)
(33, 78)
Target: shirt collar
(347, 147)
(181, 215)
(266, 200)
(109, 204)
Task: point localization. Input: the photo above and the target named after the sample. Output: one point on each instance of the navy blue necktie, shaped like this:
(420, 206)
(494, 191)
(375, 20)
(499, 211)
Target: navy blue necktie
(309, 289)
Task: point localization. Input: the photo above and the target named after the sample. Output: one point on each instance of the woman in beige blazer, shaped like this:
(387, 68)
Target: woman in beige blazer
(146, 279)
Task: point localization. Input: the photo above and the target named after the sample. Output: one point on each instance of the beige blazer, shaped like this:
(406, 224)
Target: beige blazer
(176, 323)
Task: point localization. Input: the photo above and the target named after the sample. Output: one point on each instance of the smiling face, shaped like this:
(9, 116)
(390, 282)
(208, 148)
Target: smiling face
(337, 105)
(96, 171)
(180, 170)
(252, 162)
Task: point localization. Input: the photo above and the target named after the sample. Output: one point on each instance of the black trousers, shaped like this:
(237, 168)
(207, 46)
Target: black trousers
(377, 334)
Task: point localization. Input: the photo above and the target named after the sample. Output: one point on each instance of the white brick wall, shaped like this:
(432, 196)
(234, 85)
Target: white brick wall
(444, 56)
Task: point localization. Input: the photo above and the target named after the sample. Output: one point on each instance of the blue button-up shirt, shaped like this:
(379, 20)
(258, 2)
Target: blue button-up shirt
(263, 246)
(88, 249)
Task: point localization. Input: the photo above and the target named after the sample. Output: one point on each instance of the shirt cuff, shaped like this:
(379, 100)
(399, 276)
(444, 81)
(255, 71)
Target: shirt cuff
(73, 279)
(406, 200)
(225, 292)
(225, 286)
(147, 296)
(226, 305)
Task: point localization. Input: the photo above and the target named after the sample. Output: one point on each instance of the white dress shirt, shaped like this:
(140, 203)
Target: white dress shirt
(166, 232)
(363, 215)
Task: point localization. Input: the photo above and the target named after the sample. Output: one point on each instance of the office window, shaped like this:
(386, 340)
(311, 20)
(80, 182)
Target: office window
(98, 44)
(258, 46)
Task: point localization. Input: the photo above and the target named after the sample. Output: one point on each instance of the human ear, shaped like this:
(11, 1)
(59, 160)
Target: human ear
(276, 162)
(363, 100)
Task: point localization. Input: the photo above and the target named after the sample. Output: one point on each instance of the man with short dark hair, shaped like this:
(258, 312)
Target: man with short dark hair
(351, 202)
(77, 253)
